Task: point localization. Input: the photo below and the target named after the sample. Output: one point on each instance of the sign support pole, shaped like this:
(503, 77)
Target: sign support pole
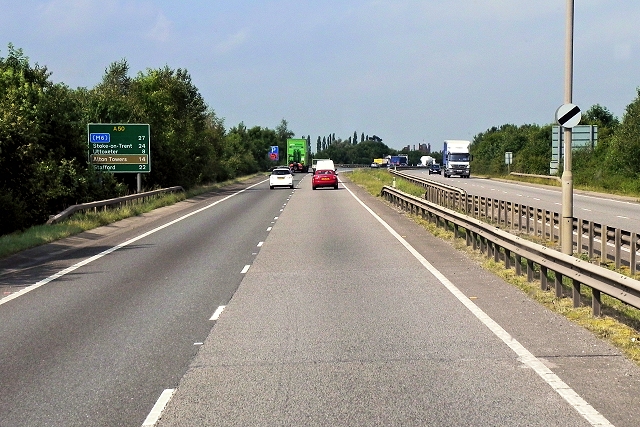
(566, 227)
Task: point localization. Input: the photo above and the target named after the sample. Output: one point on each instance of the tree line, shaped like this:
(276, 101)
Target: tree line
(44, 148)
(613, 163)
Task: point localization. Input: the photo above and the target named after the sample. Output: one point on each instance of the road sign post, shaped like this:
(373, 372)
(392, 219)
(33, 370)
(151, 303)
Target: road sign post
(566, 226)
(508, 159)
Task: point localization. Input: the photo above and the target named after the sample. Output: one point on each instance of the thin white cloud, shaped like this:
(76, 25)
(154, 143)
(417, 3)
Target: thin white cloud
(233, 41)
(162, 30)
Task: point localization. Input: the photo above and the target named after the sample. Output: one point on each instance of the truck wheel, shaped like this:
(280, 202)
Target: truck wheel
(271, 187)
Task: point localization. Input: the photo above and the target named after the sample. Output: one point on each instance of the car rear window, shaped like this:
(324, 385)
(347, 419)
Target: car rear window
(280, 172)
(324, 172)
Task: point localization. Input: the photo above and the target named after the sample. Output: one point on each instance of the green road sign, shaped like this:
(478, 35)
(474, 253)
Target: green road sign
(119, 147)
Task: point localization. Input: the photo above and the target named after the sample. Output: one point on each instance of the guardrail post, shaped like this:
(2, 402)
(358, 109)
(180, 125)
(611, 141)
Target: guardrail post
(507, 259)
(596, 303)
(476, 206)
(544, 280)
(590, 239)
(558, 283)
(510, 209)
(576, 293)
(486, 207)
(617, 247)
(530, 271)
(579, 236)
(633, 246)
(518, 265)
(494, 210)
(496, 252)
(603, 245)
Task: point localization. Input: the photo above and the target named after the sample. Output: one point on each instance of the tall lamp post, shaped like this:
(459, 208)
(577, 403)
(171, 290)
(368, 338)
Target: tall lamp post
(566, 239)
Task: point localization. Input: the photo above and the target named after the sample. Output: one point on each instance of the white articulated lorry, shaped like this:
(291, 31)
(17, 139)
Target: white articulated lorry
(425, 161)
(456, 158)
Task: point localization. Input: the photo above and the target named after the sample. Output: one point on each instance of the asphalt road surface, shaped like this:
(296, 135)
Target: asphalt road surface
(259, 307)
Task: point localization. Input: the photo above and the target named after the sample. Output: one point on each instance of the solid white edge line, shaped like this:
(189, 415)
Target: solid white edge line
(157, 409)
(115, 248)
(245, 269)
(589, 413)
(218, 312)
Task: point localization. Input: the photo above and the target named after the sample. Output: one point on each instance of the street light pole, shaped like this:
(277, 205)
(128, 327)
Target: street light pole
(566, 228)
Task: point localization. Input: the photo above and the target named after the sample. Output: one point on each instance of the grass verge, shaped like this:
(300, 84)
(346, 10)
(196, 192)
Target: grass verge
(83, 221)
(619, 323)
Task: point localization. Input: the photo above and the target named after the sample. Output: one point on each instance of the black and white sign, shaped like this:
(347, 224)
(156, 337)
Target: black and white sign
(568, 115)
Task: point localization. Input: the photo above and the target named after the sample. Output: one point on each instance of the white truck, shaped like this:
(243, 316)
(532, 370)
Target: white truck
(425, 161)
(456, 158)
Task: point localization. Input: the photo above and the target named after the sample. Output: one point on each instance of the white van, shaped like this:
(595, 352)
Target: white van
(324, 164)
(314, 162)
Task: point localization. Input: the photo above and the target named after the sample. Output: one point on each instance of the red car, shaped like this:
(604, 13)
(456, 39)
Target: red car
(324, 178)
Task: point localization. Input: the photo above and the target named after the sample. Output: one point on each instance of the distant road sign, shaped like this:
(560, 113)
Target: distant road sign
(568, 115)
(274, 153)
(119, 147)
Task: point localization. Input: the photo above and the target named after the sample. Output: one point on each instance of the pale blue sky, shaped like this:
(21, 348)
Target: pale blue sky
(408, 71)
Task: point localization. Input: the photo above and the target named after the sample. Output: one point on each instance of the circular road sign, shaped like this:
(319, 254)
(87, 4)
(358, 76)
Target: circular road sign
(568, 115)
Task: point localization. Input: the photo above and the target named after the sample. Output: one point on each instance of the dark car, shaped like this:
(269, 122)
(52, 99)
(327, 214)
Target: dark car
(435, 168)
(324, 178)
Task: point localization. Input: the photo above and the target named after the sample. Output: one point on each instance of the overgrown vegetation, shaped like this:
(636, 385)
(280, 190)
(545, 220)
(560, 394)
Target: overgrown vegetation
(612, 165)
(619, 323)
(43, 138)
(82, 221)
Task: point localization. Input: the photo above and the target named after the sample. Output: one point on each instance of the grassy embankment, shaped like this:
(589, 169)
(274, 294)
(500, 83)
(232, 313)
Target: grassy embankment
(619, 323)
(42, 234)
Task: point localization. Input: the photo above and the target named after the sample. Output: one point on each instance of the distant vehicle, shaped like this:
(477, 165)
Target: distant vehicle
(400, 160)
(326, 164)
(298, 155)
(324, 178)
(435, 168)
(375, 165)
(456, 158)
(425, 161)
(281, 177)
(314, 162)
(383, 162)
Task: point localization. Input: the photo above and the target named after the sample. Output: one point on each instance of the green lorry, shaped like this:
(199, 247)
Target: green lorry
(298, 155)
